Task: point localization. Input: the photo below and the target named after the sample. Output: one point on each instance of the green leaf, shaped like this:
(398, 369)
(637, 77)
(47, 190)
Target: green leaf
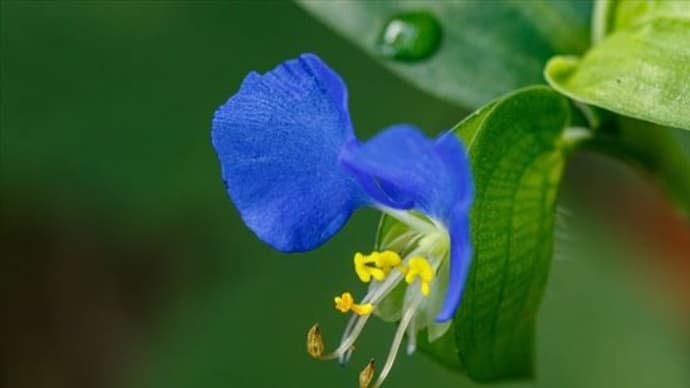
(443, 350)
(640, 70)
(518, 146)
(485, 51)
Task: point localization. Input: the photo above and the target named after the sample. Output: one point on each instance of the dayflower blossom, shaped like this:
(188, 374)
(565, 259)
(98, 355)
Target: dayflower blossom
(295, 171)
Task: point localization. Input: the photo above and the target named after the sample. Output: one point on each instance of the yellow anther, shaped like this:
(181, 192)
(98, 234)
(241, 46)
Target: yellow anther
(419, 267)
(377, 265)
(345, 303)
(367, 374)
(366, 272)
(387, 260)
(315, 342)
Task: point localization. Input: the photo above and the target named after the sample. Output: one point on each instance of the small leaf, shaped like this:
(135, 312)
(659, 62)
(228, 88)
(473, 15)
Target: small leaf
(640, 70)
(484, 51)
(518, 146)
(612, 15)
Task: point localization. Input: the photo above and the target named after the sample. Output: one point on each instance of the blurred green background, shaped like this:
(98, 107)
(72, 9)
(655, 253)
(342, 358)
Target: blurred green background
(126, 266)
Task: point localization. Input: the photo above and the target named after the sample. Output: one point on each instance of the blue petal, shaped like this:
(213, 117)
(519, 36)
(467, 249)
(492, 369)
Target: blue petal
(403, 169)
(278, 141)
(458, 174)
(460, 258)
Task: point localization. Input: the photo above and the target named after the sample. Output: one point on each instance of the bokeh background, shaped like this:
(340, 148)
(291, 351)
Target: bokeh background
(124, 265)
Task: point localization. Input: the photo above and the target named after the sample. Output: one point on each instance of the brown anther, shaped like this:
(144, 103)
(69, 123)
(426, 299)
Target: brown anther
(367, 374)
(315, 342)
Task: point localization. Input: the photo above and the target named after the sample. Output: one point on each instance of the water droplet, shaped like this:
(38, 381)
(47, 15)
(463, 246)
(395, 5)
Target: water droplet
(410, 36)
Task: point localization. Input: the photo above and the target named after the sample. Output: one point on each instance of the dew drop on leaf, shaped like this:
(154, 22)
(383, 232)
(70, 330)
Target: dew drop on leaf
(410, 36)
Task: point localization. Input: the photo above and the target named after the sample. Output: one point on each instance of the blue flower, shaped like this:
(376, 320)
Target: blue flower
(295, 171)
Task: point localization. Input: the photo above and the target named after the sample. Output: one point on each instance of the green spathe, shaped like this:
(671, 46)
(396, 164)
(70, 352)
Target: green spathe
(518, 145)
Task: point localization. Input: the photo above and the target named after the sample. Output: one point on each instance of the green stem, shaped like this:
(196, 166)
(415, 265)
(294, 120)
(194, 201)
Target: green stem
(651, 148)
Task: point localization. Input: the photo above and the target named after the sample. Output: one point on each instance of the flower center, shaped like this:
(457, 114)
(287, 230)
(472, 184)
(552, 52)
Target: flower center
(424, 248)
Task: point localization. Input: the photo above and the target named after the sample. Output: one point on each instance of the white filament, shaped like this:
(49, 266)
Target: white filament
(411, 337)
(410, 220)
(395, 346)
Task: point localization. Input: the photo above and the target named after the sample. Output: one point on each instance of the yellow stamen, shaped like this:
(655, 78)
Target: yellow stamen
(377, 265)
(419, 267)
(315, 342)
(345, 303)
(367, 374)
(387, 260)
(366, 272)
